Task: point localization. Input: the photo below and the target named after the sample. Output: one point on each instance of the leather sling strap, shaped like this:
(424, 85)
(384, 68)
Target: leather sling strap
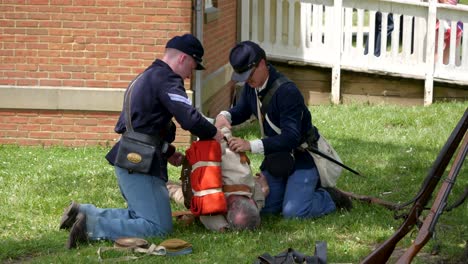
(236, 188)
(261, 111)
(269, 94)
(127, 99)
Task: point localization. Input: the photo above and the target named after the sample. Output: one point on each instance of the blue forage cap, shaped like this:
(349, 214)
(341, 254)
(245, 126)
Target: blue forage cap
(189, 45)
(243, 58)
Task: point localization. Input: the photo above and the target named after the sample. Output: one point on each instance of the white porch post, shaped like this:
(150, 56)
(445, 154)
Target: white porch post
(337, 40)
(430, 46)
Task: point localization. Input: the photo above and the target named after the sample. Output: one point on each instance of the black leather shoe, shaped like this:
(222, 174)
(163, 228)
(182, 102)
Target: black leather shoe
(77, 232)
(69, 215)
(340, 199)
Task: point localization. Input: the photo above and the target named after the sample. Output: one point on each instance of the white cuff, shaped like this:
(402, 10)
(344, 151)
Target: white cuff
(227, 115)
(256, 146)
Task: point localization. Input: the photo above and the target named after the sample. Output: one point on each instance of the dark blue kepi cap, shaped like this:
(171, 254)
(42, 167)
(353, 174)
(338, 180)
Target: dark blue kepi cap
(243, 58)
(189, 45)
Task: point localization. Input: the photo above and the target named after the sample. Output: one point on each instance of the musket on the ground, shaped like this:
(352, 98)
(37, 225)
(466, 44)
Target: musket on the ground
(396, 206)
(440, 202)
(318, 152)
(372, 200)
(382, 253)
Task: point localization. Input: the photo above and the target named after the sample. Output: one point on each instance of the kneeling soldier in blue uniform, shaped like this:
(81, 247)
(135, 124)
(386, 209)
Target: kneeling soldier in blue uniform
(158, 96)
(286, 123)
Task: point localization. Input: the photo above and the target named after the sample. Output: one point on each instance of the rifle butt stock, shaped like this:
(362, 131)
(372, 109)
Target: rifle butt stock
(383, 252)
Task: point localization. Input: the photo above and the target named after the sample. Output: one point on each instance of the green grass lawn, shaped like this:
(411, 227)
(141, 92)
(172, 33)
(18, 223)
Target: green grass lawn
(393, 147)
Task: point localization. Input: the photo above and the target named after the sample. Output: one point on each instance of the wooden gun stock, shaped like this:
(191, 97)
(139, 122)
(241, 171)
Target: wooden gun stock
(437, 208)
(382, 253)
(185, 182)
(372, 200)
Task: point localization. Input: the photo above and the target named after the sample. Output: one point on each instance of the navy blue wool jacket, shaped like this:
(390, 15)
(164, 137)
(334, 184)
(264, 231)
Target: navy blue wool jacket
(157, 97)
(287, 110)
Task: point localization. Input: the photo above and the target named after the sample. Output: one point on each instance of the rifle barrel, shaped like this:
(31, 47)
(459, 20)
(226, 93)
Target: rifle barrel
(318, 152)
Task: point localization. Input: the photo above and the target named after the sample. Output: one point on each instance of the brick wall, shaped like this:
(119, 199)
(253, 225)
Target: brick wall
(86, 44)
(69, 128)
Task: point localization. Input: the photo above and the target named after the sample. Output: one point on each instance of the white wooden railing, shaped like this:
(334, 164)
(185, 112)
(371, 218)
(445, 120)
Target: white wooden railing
(333, 33)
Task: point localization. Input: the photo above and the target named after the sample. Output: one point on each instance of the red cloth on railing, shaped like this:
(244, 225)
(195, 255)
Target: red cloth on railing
(206, 180)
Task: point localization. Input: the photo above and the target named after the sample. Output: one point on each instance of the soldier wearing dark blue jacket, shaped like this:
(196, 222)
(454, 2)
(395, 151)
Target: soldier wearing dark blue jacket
(158, 96)
(292, 176)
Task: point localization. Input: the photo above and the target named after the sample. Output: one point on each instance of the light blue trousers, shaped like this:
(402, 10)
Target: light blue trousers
(297, 196)
(148, 213)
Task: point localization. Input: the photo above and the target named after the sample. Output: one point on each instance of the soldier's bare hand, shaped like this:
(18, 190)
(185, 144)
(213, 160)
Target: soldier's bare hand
(221, 121)
(239, 144)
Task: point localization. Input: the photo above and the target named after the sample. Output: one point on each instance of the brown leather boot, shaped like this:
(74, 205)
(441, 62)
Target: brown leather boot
(77, 232)
(69, 215)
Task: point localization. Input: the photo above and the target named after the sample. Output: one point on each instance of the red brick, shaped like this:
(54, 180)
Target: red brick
(50, 82)
(27, 38)
(38, 2)
(132, 19)
(100, 129)
(86, 122)
(16, 134)
(63, 135)
(37, 75)
(4, 112)
(52, 128)
(40, 134)
(72, 9)
(16, 74)
(107, 3)
(96, 10)
(108, 77)
(50, 113)
(30, 113)
(49, 142)
(27, 141)
(50, 68)
(109, 122)
(96, 84)
(84, 135)
(84, 2)
(9, 127)
(50, 24)
(111, 137)
(81, 75)
(18, 120)
(27, 82)
(72, 128)
(64, 121)
(5, 141)
(60, 75)
(61, 2)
